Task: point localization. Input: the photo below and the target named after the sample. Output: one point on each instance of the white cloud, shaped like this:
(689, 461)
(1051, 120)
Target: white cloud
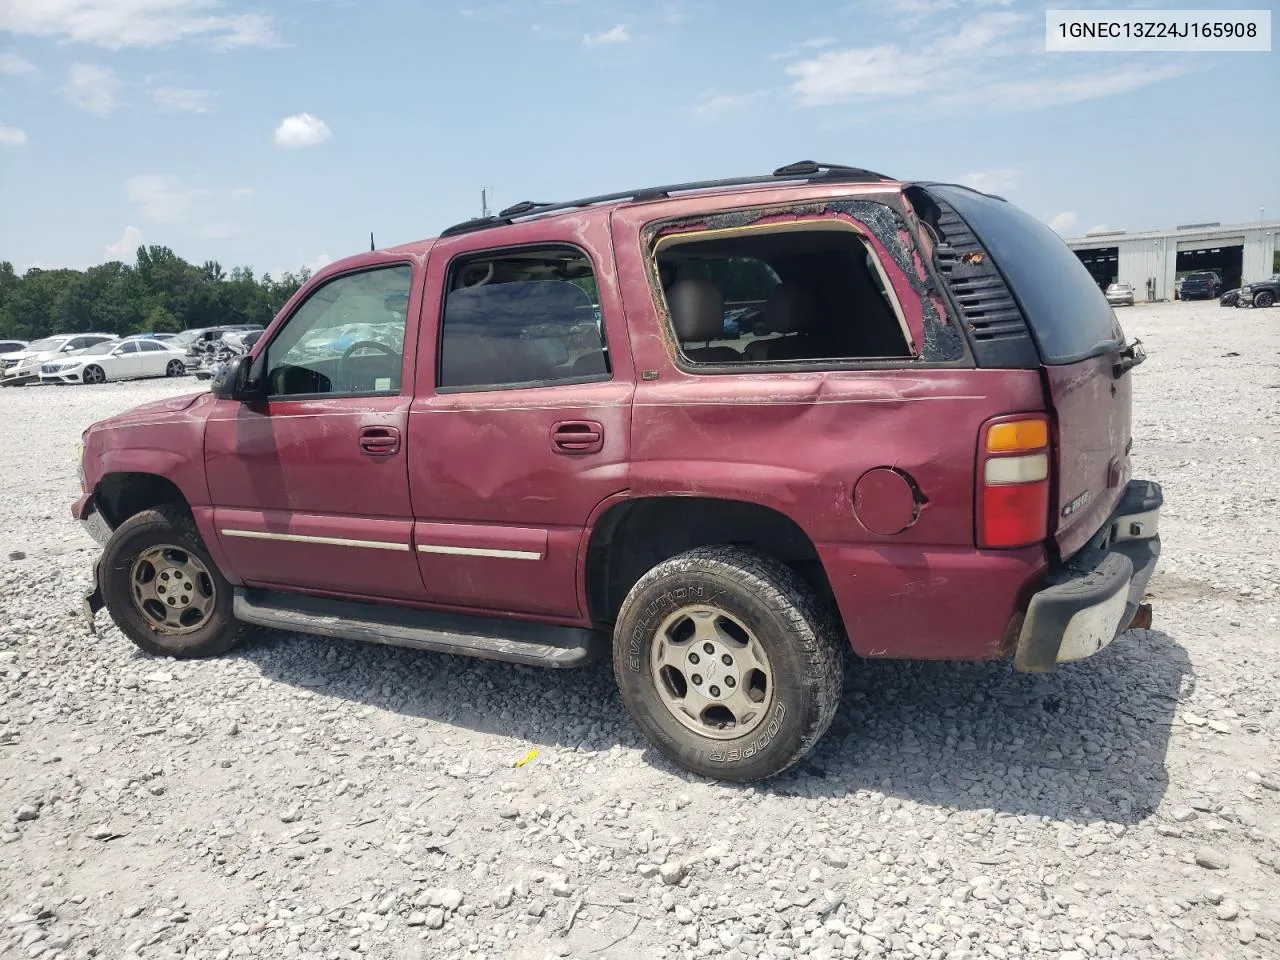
(162, 197)
(11, 65)
(319, 261)
(92, 89)
(242, 193)
(974, 61)
(813, 43)
(1062, 222)
(991, 181)
(11, 136)
(619, 34)
(714, 103)
(302, 130)
(126, 246)
(485, 14)
(1054, 91)
(182, 99)
(1100, 228)
(117, 24)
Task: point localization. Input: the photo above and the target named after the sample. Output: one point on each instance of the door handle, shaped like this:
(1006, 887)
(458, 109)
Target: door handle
(577, 436)
(379, 441)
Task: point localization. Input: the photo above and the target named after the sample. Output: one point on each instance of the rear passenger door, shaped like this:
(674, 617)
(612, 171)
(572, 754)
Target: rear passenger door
(153, 357)
(520, 428)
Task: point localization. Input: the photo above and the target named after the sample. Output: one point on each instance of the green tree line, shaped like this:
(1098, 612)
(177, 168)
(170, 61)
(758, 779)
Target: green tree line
(159, 292)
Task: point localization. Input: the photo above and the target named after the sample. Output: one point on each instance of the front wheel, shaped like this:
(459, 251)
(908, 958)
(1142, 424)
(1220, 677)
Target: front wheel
(93, 374)
(727, 662)
(1263, 299)
(162, 588)
(176, 368)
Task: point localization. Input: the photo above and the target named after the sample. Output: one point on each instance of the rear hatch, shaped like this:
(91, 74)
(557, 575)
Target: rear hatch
(1055, 316)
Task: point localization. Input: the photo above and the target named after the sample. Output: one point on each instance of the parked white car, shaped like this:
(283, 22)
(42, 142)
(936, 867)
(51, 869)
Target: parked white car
(115, 360)
(24, 365)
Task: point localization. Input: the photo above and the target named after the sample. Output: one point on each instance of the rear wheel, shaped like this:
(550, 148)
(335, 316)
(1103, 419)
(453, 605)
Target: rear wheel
(728, 663)
(1263, 298)
(176, 368)
(162, 588)
(93, 374)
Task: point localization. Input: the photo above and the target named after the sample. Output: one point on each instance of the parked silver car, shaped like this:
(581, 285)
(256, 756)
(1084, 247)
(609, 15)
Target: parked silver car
(1120, 295)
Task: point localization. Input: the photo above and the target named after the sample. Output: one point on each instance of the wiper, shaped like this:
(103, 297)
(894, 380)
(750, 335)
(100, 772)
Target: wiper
(1130, 357)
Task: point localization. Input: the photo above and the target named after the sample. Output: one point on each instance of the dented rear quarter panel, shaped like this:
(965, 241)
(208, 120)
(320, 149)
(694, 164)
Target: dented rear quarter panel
(798, 442)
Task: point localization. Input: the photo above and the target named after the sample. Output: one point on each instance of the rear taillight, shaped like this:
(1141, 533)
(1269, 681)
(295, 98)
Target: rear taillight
(1013, 482)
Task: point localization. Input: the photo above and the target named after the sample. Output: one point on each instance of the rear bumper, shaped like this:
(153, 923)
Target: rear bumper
(1094, 597)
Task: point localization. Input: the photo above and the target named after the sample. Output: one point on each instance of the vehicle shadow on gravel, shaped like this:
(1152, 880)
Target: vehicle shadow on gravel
(1087, 742)
(1084, 743)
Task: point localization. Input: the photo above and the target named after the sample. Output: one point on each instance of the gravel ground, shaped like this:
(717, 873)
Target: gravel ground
(308, 798)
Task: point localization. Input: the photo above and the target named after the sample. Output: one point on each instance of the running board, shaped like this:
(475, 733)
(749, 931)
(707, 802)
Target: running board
(513, 641)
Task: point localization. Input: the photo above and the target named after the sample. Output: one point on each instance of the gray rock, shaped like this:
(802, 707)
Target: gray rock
(1228, 910)
(435, 918)
(27, 812)
(672, 872)
(417, 919)
(1212, 859)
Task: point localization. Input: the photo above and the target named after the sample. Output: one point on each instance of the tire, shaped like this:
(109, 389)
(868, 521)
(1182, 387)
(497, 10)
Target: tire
(93, 374)
(121, 576)
(1263, 299)
(176, 368)
(736, 593)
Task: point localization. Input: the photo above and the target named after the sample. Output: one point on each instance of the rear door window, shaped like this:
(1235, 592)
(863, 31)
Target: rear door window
(1068, 313)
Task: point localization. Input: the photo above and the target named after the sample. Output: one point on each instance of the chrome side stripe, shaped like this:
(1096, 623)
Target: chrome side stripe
(301, 538)
(479, 552)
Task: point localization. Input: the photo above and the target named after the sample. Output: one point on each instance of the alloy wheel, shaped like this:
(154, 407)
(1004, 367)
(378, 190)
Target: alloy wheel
(172, 589)
(711, 672)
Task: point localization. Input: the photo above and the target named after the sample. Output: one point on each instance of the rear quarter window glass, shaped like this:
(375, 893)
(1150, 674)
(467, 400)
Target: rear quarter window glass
(1068, 313)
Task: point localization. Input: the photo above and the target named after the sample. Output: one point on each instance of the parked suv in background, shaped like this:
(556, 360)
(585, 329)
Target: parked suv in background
(1260, 293)
(1204, 285)
(24, 366)
(921, 449)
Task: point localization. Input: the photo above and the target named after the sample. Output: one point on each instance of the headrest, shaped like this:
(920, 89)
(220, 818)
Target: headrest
(697, 310)
(790, 309)
(508, 308)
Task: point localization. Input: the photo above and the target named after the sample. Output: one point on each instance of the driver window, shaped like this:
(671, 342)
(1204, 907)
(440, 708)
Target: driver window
(347, 338)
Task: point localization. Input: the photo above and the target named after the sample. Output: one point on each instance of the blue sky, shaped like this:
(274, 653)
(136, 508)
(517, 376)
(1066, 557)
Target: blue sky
(277, 133)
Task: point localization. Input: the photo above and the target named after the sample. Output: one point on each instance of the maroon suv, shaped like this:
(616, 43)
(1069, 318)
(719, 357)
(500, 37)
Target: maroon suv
(724, 428)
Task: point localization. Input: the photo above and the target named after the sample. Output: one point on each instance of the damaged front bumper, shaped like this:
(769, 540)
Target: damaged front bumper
(1098, 593)
(87, 513)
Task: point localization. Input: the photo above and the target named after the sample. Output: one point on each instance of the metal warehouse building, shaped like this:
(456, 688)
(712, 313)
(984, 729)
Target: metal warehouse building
(1153, 260)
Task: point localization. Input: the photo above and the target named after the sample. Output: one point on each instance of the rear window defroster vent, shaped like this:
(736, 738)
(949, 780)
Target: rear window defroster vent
(995, 326)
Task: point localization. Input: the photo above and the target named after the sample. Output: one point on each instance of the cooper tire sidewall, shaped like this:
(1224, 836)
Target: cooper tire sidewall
(791, 711)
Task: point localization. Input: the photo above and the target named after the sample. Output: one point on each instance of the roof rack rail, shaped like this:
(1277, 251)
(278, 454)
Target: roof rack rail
(804, 170)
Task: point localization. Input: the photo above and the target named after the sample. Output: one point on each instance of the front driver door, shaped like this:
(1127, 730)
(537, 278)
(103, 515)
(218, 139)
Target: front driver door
(125, 361)
(310, 487)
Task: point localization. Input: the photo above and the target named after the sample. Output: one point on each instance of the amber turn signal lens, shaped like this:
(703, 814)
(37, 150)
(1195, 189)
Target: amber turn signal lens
(1017, 435)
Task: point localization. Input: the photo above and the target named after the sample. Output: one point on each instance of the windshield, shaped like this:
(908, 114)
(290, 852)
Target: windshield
(98, 349)
(183, 338)
(53, 343)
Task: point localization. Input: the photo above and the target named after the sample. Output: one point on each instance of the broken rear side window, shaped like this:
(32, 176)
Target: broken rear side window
(753, 296)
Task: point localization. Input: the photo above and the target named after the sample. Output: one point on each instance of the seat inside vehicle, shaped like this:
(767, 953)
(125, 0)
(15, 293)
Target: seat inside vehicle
(527, 317)
(779, 297)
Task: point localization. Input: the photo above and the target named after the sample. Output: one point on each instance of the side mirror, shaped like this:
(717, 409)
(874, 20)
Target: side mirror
(232, 383)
